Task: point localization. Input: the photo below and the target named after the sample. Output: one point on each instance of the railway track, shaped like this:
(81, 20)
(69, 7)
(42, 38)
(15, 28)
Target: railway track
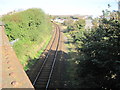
(43, 77)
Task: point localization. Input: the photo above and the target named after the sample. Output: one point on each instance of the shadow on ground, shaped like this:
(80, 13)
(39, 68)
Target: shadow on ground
(61, 77)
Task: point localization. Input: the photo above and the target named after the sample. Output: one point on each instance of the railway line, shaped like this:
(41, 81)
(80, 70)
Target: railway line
(42, 73)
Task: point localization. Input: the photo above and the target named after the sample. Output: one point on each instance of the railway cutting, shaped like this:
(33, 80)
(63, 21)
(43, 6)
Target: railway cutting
(40, 75)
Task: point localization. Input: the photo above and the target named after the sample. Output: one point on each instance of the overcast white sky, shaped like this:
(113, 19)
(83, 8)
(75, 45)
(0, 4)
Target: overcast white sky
(59, 7)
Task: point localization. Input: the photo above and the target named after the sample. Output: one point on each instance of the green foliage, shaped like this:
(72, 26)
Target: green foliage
(99, 61)
(95, 22)
(32, 27)
(75, 30)
(68, 22)
(78, 30)
(36, 57)
(98, 52)
(0, 19)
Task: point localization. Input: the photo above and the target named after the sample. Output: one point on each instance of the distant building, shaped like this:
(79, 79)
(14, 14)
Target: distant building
(75, 19)
(59, 20)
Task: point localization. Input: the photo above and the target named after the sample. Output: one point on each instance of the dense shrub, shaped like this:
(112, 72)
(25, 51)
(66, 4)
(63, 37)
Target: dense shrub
(99, 61)
(32, 27)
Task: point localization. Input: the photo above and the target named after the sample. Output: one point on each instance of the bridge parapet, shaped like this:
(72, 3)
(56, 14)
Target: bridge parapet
(12, 73)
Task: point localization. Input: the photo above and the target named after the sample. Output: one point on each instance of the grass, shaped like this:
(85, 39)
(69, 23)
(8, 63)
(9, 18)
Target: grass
(33, 29)
(31, 62)
(71, 68)
(0, 19)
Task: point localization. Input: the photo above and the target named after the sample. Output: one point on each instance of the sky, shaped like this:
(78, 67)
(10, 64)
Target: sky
(60, 7)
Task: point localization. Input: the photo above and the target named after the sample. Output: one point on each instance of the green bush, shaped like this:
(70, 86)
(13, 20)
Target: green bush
(32, 27)
(99, 61)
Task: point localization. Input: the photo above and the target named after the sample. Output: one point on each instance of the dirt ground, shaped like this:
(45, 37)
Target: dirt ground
(59, 77)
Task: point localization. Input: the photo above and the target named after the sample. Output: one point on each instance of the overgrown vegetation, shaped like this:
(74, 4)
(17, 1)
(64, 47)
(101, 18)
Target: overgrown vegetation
(33, 29)
(0, 19)
(73, 30)
(98, 53)
(99, 63)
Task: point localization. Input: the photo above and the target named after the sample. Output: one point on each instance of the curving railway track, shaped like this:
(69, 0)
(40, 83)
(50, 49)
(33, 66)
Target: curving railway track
(41, 74)
(44, 73)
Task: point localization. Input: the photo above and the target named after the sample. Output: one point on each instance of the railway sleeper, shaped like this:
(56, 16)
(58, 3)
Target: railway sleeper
(45, 74)
(46, 70)
(43, 78)
(49, 62)
(39, 86)
(41, 82)
(46, 67)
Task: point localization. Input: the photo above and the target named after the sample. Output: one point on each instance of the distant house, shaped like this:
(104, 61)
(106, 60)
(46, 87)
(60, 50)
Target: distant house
(75, 19)
(59, 20)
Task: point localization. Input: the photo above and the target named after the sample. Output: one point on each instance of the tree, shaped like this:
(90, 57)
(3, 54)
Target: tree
(99, 61)
(76, 29)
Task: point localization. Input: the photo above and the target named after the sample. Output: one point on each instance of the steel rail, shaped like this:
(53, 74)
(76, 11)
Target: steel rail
(54, 60)
(44, 60)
